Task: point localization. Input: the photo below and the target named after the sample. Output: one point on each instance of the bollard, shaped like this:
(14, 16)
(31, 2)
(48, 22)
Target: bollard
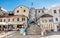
(42, 33)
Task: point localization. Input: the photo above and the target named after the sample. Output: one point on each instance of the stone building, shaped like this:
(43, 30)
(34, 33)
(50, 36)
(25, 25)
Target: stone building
(40, 12)
(55, 12)
(3, 11)
(16, 21)
(21, 10)
(46, 23)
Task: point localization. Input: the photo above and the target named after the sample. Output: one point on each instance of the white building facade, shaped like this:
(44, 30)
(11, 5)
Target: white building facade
(55, 12)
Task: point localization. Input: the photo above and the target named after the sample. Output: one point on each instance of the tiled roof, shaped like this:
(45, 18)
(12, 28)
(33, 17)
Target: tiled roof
(46, 15)
(12, 16)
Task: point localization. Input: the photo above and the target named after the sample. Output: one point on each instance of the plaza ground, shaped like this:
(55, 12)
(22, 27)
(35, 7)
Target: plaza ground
(50, 35)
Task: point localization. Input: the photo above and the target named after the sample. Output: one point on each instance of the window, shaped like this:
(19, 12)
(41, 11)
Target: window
(17, 11)
(4, 26)
(4, 13)
(50, 20)
(23, 19)
(42, 20)
(12, 19)
(39, 11)
(42, 11)
(54, 11)
(20, 7)
(4, 20)
(8, 20)
(0, 20)
(19, 26)
(11, 26)
(17, 19)
(24, 10)
(45, 20)
(56, 19)
(59, 11)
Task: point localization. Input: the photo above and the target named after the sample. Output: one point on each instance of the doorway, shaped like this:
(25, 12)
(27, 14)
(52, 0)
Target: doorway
(4, 27)
(19, 26)
(10, 27)
(58, 27)
(0, 28)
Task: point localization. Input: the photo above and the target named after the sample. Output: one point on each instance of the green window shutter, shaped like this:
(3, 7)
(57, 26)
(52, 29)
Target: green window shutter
(17, 19)
(23, 19)
(45, 21)
(4, 20)
(12, 19)
(55, 11)
(0, 20)
(56, 19)
(8, 20)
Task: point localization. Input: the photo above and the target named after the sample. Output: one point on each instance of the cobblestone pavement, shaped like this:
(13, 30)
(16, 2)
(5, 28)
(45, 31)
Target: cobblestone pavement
(53, 35)
(17, 35)
(50, 35)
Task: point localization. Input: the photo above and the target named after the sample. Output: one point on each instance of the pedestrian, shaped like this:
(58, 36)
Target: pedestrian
(22, 31)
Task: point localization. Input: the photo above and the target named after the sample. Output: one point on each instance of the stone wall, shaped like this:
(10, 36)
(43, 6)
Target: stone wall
(33, 29)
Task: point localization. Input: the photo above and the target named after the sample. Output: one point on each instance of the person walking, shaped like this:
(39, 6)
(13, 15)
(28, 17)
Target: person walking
(22, 31)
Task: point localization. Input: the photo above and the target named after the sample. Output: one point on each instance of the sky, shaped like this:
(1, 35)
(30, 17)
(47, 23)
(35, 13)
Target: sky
(12, 4)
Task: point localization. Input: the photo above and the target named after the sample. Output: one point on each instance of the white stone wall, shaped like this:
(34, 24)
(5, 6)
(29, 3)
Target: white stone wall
(15, 22)
(57, 15)
(21, 11)
(38, 14)
(46, 25)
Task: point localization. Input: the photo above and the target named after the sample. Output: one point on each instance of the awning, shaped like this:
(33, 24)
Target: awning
(3, 23)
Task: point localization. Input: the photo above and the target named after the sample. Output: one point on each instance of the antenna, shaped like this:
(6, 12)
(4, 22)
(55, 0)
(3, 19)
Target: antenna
(32, 3)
